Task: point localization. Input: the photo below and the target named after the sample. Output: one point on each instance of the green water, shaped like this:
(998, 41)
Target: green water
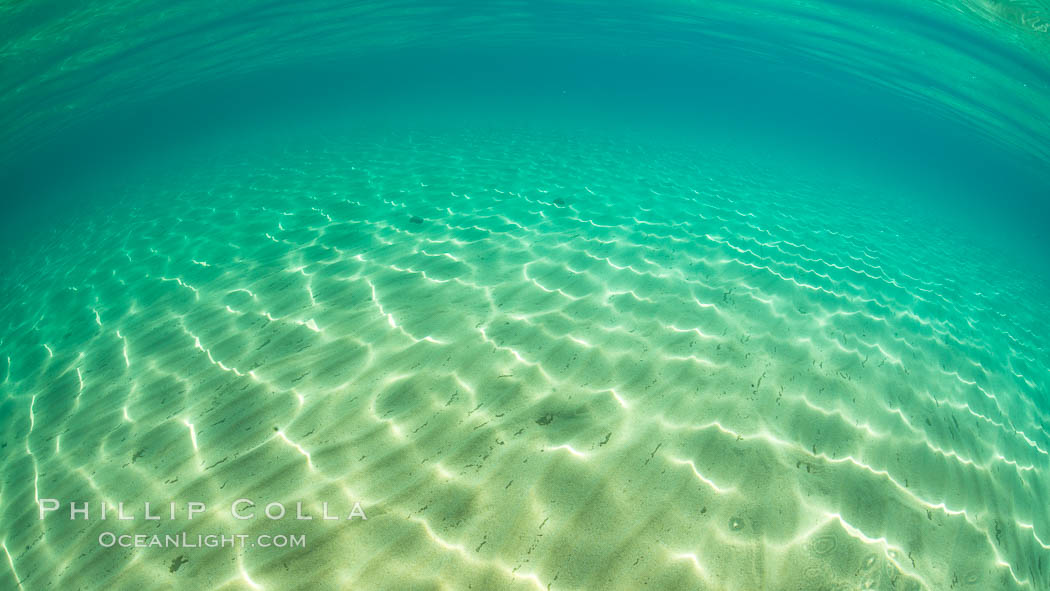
(545, 296)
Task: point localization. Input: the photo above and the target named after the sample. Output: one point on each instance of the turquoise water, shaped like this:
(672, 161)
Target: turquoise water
(743, 296)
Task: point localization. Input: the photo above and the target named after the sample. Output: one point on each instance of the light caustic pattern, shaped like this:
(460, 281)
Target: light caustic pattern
(537, 363)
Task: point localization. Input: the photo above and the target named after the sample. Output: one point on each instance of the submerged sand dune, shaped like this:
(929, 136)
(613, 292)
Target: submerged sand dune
(535, 364)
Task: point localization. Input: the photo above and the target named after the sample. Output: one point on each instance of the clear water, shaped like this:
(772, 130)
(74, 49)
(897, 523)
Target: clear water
(563, 295)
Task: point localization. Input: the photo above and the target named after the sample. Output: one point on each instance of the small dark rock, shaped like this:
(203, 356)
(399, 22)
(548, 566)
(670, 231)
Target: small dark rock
(545, 419)
(175, 564)
(416, 219)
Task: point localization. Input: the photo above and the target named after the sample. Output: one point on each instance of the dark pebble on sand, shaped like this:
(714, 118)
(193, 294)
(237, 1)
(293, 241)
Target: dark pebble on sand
(416, 219)
(178, 562)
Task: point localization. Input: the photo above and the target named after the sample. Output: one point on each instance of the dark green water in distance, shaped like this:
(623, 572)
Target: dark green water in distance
(977, 155)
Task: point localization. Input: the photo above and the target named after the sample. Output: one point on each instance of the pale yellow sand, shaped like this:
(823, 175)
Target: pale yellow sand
(705, 392)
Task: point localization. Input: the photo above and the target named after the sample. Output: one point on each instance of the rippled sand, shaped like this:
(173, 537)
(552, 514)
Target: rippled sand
(536, 363)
